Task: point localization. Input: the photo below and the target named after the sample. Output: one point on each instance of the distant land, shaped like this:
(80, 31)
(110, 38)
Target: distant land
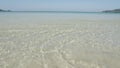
(105, 11)
(1, 10)
(112, 11)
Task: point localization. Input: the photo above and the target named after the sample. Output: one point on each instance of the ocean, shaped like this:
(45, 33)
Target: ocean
(59, 40)
(57, 17)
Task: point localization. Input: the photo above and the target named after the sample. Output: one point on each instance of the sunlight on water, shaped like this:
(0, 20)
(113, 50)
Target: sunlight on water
(59, 40)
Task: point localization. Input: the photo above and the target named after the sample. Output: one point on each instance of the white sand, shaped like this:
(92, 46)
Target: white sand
(89, 45)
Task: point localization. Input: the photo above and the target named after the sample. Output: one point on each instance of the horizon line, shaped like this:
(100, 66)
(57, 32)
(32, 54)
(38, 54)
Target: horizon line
(57, 11)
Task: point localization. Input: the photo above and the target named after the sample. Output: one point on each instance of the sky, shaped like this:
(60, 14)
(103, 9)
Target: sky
(59, 5)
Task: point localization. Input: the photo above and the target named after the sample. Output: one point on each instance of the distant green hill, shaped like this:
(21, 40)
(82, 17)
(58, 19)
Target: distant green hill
(112, 11)
(1, 10)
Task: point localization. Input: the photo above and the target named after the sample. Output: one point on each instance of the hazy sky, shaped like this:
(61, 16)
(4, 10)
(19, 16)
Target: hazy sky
(60, 5)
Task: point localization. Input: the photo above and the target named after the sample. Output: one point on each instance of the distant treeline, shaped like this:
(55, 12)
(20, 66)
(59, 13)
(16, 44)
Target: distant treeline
(1, 10)
(106, 11)
(112, 11)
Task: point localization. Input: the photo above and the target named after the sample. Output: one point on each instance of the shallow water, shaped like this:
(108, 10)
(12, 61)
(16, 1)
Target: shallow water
(59, 40)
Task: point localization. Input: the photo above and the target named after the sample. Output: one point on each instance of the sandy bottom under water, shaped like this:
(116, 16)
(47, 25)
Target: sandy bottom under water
(60, 46)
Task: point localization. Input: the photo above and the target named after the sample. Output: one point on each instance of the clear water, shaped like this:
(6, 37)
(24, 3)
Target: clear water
(59, 40)
(51, 17)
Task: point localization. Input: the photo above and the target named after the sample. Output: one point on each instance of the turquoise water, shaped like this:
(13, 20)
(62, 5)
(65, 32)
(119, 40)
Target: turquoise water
(57, 17)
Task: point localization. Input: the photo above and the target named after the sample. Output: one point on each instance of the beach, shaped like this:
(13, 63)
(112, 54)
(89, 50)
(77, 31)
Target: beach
(59, 40)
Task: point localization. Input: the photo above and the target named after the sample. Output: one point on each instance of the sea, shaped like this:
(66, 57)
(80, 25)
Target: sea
(59, 39)
(50, 17)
